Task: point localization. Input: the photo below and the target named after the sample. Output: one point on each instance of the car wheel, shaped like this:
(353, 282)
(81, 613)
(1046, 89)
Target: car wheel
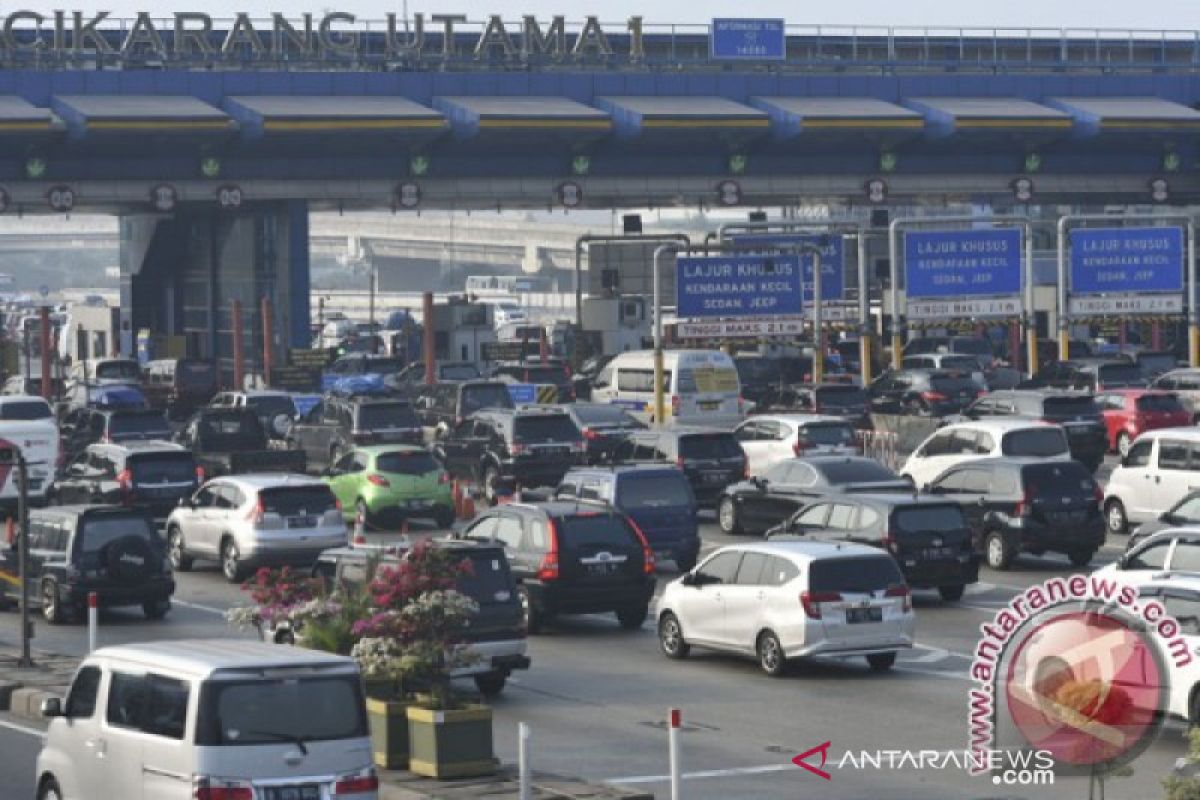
(1123, 443)
(727, 516)
(52, 608)
(998, 552)
(231, 565)
(491, 484)
(633, 617)
(770, 654)
(670, 637)
(881, 662)
(1081, 558)
(1114, 516)
(529, 612)
(361, 512)
(952, 593)
(49, 790)
(156, 609)
(490, 684)
(180, 561)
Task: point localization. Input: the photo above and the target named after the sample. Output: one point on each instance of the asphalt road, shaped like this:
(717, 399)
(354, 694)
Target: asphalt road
(597, 697)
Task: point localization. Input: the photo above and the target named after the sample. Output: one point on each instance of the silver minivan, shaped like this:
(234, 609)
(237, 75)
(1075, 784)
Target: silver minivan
(209, 718)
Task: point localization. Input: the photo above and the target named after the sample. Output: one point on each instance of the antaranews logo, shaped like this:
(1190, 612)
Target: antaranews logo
(1074, 667)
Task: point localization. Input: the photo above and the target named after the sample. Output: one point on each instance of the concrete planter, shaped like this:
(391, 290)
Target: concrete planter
(389, 732)
(451, 744)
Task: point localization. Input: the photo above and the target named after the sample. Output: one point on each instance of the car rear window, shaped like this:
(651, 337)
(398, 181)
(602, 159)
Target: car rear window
(382, 366)
(162, 467)
(1065, 478)
(922, 519)
(553, 375)
(26, 410)
(1167, 403)
(142, 424)
(458, 372)
(976, 347)
(195, 373)
(475, 398)
(1034, 442)
(292, 501)
(1068, 407)
(1156, 363)
(859, 470)
(98, 531)
(841, 396)
(376, 416)
(709, 445)
(230, 431)
(827, 433)
(118, 371)
(488, 581)
(548, 428)
(595, 530)
(1120, 374)
(758, 370)
(407, 463)
(271, 407)
(604, 415)
(653, 491)
(853, 574)
(280, 711)
(948, 385)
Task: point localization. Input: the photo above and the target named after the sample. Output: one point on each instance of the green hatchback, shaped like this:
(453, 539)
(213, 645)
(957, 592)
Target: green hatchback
(390, 483)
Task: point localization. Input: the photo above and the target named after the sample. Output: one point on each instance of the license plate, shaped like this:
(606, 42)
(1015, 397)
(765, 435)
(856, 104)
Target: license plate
(709, 405)
(936, 553)
(601, 569)
(417, 503)
(302, 522)
(310, 792)
(857, 615)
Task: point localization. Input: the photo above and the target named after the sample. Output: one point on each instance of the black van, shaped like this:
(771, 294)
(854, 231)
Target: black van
(179, 386)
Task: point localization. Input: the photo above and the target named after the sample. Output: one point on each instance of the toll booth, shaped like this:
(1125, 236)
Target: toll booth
(461, 329)
(622, 322)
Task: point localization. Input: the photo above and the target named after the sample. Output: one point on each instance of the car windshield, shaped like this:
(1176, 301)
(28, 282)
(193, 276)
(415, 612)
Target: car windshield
(1120, 375)
(118, 371)
(281, 710)
(1034, 442)
(407, 462)
(653, 491)
(230, 431)
(458, 372)
(976, 347)
(1156, 363)
(475, 398)
(548, 428)
(829, 434)
(26, 410)
(162, 468)
(709, 445)
(1166, 403)
(294, 501)
(605, 415)
(145, 425)
(920, 519)
(375, 416)
(269, 407)
(855, 471)
(1069, 407)
(948, 385)
(195, 374)
(853, 574)
(841, 396)
(552, 375)
(595, 530)
(98, 532)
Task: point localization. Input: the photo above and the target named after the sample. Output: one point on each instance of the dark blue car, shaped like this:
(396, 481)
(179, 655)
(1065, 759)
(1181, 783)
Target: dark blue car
(658, 498)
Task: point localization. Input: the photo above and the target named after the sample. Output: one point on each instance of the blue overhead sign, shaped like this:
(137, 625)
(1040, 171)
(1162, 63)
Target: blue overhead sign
(962, 263)
(1126, 260)
(833, 259)
(756, 285)
(748, 39)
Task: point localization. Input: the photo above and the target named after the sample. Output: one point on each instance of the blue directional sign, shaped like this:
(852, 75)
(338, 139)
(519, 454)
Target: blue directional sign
(737, 285)
(833, 259)
(748, 39)
(960, 263)
(1126, 260)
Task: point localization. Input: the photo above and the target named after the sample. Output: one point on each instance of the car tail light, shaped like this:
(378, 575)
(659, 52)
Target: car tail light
(1098, 493)
(1025, 507)
(800, 445)
(199, 474)
(590, 434)
(443, 477)
(517, 448)
(204, 788)
(811, 601)
(578, 447)
(675, 405)
(890, 543)
(375, 479)
(548, 569)
(933, 397)
(679, 462)
(256, 514)
(357, 783)
(741, 404)
(647, 553)
(902, 591)
(125, 484)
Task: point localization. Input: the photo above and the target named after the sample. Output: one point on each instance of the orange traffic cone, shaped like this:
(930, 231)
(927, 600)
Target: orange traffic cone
(468, 507)
(360, 529)
(456, 497)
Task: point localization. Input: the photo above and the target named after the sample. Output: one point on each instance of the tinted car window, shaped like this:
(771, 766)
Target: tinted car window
(952, 385)
(407, 463)
(977, 347)
(653, 491)
(855, 471)
(1154, 556)
(841, 396)
(488, 580)
(475, 398)
(606, 530)
(1159, 402)
(750, 571)
(125, 424)
(604, 415)
(81, 702)
(26, 410)
(853, 574)
(1172, 454)
(281, 710)
(1067, 407)
(387, 415)
(99, 531)
(1066, 478)
(149, 703)
(1120, 374)
(118, 371)
(292, 501)
(550, 428)
(197, 374)
(828, 434)
(270, 407)
(554, 375)
(164, 467)
(721, 568)
(717, 445)
(1034, 442)
(458, 372)
(920, 519)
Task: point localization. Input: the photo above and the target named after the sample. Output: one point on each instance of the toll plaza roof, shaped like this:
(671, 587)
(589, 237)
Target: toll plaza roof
(652, 116)
(806, 117)
(328, 120)
(126, 114)
(957, 115)
(470, 115)
(21, 119)
(1127, 115)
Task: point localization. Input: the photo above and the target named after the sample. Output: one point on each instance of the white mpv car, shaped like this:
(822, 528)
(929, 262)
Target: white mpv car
(768, 439)
(1160, 468)
(992, 438)
(787, 599)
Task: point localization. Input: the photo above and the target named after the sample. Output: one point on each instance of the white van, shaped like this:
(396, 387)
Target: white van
(38, 441)
(209, 718)
(1160, 468)
(701, 386)
(994, 437)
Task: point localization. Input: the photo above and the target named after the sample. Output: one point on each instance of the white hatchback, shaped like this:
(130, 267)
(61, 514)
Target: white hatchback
(1161, 467)
(781, 600)
(771, 438)
(992, 438)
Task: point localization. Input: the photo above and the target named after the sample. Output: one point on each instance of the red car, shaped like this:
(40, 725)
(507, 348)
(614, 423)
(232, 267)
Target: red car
(1130, 412)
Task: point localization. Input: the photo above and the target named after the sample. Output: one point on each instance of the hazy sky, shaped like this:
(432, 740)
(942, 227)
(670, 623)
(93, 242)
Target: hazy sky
(1148, 14)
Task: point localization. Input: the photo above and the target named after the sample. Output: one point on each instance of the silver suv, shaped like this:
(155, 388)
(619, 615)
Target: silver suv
(248, 521)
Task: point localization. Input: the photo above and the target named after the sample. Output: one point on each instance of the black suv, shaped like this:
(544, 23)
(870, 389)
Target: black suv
(1026, 504)
(84, 426)
(334, 426)
(505, 449)
(763, 378)
(75, 550)
(604, 426)
(1078, 415)
(934, 393)
(151, 476)
(844, 400)
(497, 630)
(572, 558)
(929, 538)
(443, 406)
(1095, 375)
(711, 459)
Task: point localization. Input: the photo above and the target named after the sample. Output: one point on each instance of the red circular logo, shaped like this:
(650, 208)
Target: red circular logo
(1088, 688)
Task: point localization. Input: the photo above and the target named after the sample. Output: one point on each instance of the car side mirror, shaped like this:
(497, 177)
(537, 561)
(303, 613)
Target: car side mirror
(690, 579)
(760, 482)
(1122, 561)
(52, 707)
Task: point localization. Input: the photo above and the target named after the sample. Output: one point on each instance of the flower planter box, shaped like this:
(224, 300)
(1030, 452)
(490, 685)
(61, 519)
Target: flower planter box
(451, 744)
(389, 732)
(381, 689)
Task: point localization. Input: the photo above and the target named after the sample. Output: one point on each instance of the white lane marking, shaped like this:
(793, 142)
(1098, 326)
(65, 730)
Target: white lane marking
(206, 609)
(984, 609)
(12, 726)
(708, 773)
(902, 666)
(984, 588)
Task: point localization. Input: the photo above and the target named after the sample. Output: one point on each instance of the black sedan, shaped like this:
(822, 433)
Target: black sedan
(754, 505)
(604, 426)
